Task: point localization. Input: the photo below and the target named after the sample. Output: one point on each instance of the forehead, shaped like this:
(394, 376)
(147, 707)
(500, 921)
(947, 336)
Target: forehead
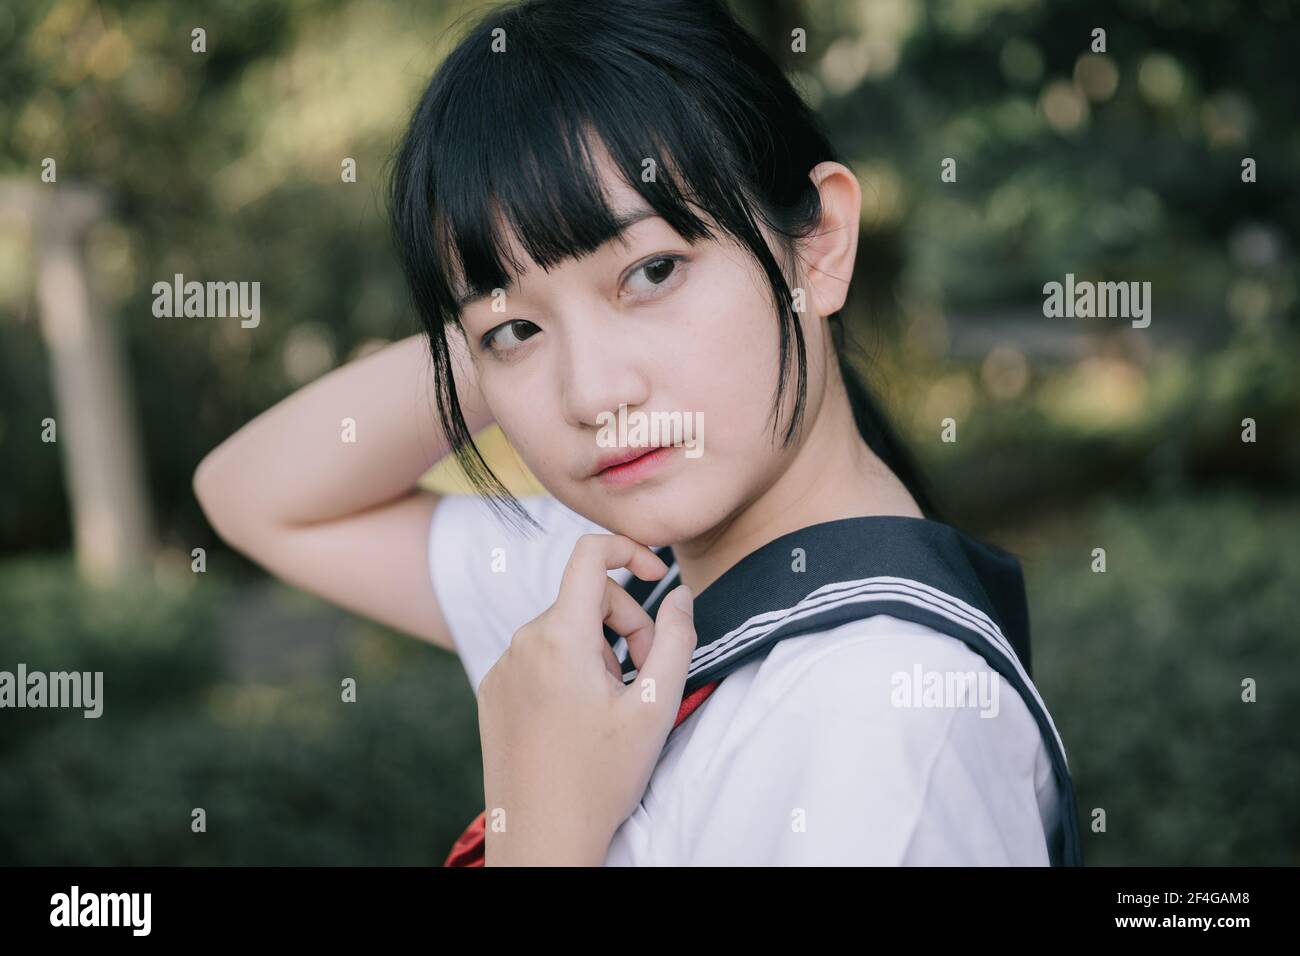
(622, 200)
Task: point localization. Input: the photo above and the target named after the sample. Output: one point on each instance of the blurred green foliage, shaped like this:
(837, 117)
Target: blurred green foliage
(133, 633)
(1102, 426)
(286, 772)
(1143, 667)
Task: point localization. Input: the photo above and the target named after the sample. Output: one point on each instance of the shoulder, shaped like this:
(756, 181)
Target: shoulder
(465, 530)
(490, 578)
(880, 741)
(884, 681)
(458, 511)
(863, 656)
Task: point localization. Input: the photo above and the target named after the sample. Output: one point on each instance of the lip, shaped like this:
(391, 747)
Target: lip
(634, 465)
(622, 457)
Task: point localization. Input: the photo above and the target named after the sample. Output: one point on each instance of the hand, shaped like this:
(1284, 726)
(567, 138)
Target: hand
(568, 749)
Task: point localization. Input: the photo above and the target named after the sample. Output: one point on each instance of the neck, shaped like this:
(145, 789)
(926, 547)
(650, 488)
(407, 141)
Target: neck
(833, 475)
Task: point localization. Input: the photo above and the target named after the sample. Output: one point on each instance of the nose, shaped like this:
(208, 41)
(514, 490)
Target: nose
(602, 368)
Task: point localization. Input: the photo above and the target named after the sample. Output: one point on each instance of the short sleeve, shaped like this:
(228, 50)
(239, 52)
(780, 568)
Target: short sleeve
(833, 762)
(490, 579)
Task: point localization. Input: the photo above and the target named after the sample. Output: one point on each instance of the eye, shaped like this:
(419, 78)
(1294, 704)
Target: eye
(659, 272)
(512, 329)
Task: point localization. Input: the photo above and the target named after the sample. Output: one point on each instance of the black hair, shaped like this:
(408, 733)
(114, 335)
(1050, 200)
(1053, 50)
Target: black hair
(502, 137)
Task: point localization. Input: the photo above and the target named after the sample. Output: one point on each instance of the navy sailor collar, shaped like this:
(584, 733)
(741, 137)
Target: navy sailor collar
(837, 571)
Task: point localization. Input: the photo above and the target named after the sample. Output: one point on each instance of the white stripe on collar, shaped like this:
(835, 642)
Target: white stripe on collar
(866, 590)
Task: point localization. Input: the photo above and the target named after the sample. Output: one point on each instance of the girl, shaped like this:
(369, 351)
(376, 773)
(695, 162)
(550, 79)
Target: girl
(751, 643)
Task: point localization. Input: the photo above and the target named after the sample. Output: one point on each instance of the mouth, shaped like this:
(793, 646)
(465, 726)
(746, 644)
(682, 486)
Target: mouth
(633, 465)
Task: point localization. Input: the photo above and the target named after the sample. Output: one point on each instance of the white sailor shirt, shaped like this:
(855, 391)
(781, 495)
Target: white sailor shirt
(873, 740)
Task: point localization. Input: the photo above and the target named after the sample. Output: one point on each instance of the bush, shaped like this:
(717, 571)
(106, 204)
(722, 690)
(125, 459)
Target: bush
(155, 645)
(1142, 668)
(286, 773)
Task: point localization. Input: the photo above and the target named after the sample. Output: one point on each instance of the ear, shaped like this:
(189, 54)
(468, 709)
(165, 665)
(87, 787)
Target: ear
(827, 256)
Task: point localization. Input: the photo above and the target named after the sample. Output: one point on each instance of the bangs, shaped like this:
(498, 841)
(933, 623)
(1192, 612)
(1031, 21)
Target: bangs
(511, 143)
(544, 189)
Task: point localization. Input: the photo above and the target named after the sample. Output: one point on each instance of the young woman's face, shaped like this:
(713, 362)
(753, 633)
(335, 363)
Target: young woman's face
(658, 326)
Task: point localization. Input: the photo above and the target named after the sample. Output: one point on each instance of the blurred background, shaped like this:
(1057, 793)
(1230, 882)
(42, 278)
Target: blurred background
(1074, 434)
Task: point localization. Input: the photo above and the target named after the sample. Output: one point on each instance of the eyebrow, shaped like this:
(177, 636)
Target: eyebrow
(623, 221)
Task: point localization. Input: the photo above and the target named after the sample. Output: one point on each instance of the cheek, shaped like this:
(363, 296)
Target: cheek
(529, 411)
(523, 422)
(730, 367)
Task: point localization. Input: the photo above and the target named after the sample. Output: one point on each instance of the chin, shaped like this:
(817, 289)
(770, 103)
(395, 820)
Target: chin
(656, 523)
(655, 514)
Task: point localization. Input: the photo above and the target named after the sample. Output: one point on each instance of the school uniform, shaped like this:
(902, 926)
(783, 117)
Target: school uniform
(860, 695)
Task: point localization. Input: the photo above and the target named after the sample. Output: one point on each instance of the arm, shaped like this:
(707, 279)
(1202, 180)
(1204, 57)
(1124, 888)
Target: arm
(345, 520)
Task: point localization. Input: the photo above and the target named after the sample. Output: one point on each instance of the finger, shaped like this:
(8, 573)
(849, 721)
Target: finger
(611, 662)
(629, 619)
(671, 648)
(582, 588)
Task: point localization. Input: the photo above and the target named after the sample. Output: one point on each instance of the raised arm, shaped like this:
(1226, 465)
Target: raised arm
(345, 519)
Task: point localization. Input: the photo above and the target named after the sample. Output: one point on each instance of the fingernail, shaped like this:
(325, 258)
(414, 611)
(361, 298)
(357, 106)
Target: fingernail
(683, 599)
